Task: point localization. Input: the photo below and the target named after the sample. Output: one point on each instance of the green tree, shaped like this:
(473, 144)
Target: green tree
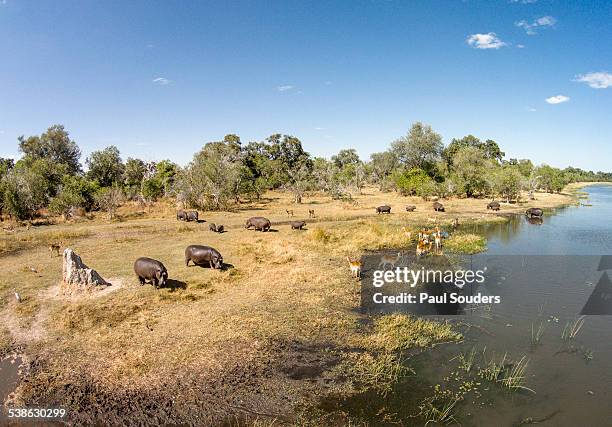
(472, 171)
(508, 182)
(420, 148)
(75, 192)
(55, 146)
(346, 158)
(105, 166)
(135, 170)
(382, 165)
(213, 178)
(413, 182)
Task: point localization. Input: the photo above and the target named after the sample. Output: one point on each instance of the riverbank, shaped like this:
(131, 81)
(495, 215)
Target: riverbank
(266, 339)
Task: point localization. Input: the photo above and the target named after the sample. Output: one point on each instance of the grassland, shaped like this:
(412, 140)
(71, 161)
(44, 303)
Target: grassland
(257, 341)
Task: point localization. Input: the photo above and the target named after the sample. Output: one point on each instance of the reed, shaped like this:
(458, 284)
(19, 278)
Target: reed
(571, 329)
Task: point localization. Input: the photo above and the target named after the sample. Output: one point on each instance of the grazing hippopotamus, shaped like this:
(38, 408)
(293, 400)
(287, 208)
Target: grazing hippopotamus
(192, 216)
(410, 208)
(438, 207)
(493, 206)
(297, 225)
(181, 215)
(259, 223)
(203, 254)
(148, 269)
(383, 209)
(534, 213)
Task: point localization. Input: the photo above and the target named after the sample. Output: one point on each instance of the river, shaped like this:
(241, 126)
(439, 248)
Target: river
(547, 274)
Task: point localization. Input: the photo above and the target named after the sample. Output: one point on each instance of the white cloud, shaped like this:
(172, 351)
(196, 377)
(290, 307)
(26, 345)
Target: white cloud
(557, 99)
(485, 41)
(531, 28)
(531, 109)
(599, 80)
(520, 46)
(318, 128)
(523, 1)
(284, 88)
(162, 81)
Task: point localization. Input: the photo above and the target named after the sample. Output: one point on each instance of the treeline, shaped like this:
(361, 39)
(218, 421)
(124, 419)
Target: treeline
(49, 174)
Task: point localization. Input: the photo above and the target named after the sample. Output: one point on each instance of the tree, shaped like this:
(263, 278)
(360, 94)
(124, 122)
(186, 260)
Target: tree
(213, 177)
(382, 165)
(508, 182)
(300, 181)
(105, 166)
(55, 146)
(489, 148)
(135, 170)
(109, 199)
(420, 148)
(345, 158)
(551, 179)
(76, 192)
(414, 181)
(6, 165)
(472, 171)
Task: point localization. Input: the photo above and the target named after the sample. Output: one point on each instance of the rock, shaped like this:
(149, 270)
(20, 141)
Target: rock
(77, 276)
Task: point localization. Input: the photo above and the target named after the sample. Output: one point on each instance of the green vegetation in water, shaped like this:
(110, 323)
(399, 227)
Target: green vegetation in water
(571, 329)
(537, 333)
(504, 372)
(400, 332)
(466, 243)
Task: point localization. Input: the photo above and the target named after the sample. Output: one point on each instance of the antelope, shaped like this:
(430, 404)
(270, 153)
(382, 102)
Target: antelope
(455, 223)
(389, 260)
(438, 240)
(355, 266)
(407, 233)
(289, 212)
(55, 248)
(311, 213)
(422, 248)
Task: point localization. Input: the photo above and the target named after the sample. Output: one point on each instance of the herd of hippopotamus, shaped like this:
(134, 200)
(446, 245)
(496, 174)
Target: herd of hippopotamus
(153, 271)
(439, 207)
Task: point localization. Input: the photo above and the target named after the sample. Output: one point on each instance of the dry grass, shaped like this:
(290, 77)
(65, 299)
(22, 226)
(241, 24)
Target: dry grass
(282, 286)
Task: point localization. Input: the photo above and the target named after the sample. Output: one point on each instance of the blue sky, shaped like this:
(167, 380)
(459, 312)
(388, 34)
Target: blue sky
(159, 79)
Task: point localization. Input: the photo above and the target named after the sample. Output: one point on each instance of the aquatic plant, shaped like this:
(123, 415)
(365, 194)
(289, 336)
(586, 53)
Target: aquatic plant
(571, 329)
(442, 414)
(466, 360)
(466, 243)
(536, 333)
(509, 375)
(514, 378)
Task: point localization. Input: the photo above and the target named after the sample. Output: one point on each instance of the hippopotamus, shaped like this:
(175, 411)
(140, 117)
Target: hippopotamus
(438, 207)
(410, 208)
(203, 254)
(383, 209)
(181, 215)
(212, 227)
(192, 216)
(220, 229)
(297, 225)
(493, 206)
(259, 223)
(148, 269)
(534, 213)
